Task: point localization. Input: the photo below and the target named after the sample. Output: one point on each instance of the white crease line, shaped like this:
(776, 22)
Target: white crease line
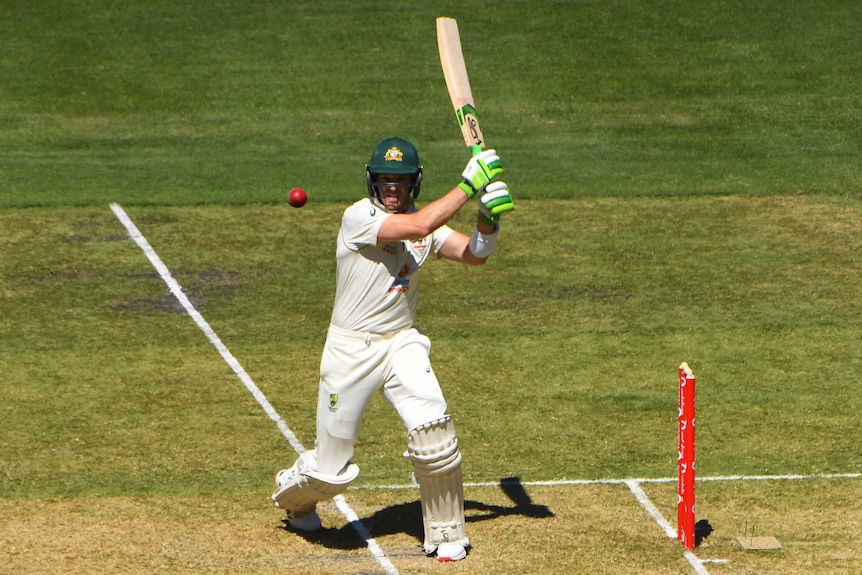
(696, 563)
(560, 482)
(175, 288)
(781, 477)
(645, 502)
(642, 498)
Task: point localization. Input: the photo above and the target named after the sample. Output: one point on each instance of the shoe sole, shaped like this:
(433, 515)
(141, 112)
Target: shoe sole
(450, 558)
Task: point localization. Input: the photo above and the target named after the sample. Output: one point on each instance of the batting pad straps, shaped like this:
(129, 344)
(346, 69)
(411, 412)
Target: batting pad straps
(483, 245)
(433, 447)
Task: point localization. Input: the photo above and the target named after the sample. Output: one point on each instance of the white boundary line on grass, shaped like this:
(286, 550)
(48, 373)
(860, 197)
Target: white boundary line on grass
(175, 288)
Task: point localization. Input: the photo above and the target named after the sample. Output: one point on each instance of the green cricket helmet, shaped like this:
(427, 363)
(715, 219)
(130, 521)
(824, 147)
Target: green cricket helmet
(393, 156)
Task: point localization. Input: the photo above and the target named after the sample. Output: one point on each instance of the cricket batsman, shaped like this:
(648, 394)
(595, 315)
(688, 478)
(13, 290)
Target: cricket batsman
(373, 344)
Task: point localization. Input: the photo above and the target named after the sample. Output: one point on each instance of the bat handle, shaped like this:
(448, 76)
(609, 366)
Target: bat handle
(475, 149)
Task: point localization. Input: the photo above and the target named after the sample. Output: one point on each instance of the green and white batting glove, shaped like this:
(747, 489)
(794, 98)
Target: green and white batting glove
(481, 170)
(495, 201)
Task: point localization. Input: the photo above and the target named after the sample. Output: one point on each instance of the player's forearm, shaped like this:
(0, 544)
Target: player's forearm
(439, 212)
(442, 210)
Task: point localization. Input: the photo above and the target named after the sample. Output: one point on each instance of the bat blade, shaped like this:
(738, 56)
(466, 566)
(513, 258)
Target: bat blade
(458, 83)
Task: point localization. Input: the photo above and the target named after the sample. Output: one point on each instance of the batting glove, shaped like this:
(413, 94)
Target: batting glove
(495, 201)
(481, 170)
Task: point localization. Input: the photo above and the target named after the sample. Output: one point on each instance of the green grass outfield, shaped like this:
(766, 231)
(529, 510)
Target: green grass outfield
(687, 179)
(229, 102)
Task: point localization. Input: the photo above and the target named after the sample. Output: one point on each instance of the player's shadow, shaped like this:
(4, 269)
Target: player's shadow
(407, 518)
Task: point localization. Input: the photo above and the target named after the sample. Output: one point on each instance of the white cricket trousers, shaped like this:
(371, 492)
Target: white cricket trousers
(355, 366)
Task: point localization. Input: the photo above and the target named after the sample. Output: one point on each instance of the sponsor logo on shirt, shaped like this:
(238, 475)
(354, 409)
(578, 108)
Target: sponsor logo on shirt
(401, 283)
(400, 286)
(419, 247)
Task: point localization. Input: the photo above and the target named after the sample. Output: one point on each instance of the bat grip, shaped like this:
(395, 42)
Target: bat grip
(475, 149)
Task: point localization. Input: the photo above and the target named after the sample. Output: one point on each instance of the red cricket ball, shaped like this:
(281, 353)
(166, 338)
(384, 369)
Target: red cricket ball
(297, 197)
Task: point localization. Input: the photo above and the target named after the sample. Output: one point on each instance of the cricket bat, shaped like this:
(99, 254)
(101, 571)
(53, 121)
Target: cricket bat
(455, 72)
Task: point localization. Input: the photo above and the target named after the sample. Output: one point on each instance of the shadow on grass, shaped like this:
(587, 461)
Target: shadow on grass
(407, 518)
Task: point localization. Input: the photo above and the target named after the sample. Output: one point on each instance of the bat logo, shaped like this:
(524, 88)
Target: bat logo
(474, 128)
(467, 115)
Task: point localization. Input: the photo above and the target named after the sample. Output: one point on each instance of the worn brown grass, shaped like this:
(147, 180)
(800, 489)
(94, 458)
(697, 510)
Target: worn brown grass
(597, 529)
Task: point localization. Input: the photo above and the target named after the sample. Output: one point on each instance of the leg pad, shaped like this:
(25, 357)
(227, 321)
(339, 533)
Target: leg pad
(433, 447)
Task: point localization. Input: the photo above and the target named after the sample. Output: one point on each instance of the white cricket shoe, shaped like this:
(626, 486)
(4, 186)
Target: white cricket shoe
(307, 522)
(451, 552)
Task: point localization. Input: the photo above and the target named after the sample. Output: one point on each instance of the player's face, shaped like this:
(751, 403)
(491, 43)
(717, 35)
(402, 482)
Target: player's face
(394, 190)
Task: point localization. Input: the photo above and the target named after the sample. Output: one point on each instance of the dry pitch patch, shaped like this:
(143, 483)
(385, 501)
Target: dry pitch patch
(560, 530)
(554, 530)
(816, 521)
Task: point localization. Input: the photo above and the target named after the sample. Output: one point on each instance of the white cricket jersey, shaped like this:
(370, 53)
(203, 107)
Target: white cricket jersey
(377, 285)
